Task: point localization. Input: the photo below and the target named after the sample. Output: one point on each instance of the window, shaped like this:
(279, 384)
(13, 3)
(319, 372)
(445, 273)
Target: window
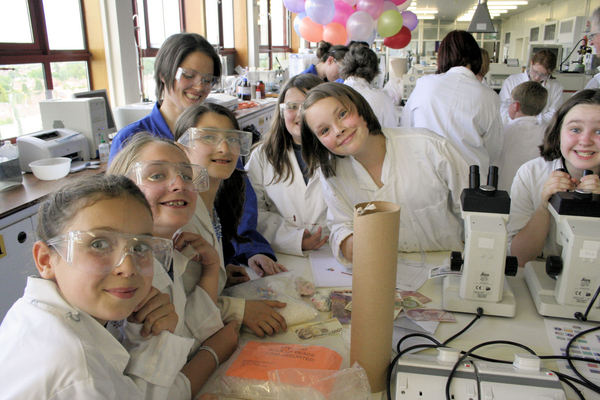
(43, 54)
(274, 26)
(220, 34)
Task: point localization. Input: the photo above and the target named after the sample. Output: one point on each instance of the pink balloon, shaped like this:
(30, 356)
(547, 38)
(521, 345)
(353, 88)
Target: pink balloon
(410, 20)
(398, 2)
(342, 12)
(310, 30)
(350, 2)
(373, 7)
(403, 5)
(399, 40)
(360, 26)
(335, 33)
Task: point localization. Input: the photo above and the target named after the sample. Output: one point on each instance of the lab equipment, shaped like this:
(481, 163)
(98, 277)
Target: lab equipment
(564, 285)
(50, 169)
(52, 143)
(110, 121)
(10, 171)
(482, 283)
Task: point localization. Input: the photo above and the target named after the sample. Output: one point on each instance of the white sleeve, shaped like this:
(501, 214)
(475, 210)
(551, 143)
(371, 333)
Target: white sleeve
(340, 218)
(202, 316)
(522, 203)
(454, 170)
(554, 102)
(407, 120)
(493, 140)
(505, 100)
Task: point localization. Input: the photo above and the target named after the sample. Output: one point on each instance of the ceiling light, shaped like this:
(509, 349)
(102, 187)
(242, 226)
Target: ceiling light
(424, 10)
(425, 16)
(507, 3)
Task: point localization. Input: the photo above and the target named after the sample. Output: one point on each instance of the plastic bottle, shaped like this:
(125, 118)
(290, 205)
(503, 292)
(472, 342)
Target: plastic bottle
(103, 151)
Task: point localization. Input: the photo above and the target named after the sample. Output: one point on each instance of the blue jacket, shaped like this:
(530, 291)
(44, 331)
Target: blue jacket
(312, 69)
(156, 124)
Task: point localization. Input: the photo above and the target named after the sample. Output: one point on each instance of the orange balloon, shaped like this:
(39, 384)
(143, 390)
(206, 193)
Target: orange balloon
(310, 30)
(335, 33)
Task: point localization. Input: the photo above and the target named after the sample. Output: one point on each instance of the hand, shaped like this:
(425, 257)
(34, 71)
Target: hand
(558, 181)
(262, 319)
(591, 183)
(313, 241)
(236, 274)
(195, 247)
(262, 264)
(224, 341)
(156, 313)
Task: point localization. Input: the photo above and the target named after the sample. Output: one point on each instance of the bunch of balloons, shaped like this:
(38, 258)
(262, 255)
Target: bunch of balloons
(340, 21)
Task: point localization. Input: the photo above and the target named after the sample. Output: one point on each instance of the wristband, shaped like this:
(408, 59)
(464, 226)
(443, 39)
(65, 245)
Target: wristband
(211, 351)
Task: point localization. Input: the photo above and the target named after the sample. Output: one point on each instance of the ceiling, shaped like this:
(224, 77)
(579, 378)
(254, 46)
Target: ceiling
(449, 10)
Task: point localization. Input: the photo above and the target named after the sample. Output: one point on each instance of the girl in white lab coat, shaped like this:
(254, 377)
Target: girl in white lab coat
(163, 172)
(360, 162)
(96, 259)
(211, 137)
(572, 143)
(292, 214)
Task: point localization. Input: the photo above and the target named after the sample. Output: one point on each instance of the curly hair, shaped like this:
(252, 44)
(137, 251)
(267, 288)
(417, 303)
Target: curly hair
(360, 61)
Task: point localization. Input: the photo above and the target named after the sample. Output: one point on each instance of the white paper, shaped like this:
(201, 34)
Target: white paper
(418, 326)
(411, 275)
(327, 271)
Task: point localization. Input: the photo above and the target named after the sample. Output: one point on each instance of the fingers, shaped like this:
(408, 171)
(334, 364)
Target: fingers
(262, 319)
(236, 274)
(194, 246)
(314, 241)
(255, 267)
(590, 183)
(160, 320)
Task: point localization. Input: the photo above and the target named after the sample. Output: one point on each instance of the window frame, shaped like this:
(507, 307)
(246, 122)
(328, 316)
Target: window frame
(152, 51)
(269, 48)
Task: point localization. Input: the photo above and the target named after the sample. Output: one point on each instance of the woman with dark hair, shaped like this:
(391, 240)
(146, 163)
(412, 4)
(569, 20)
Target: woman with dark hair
(329, 58)
(359, 69)
(361, 162)
(571, 145)
(540, 70)
(455, 105)
(291, 208)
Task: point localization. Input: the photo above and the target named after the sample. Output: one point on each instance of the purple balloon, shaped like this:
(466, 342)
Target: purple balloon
(410, 19)
(297, 20)
(360, 26)
(342, 12)
(320, 11)
(295, 6)
(373, 7)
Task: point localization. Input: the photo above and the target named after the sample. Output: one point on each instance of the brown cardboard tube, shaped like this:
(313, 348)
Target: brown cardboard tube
(375, 253)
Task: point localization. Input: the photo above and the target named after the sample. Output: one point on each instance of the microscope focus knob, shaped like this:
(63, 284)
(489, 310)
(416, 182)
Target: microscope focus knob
(512, 266)
(554, 266)
(456, 261)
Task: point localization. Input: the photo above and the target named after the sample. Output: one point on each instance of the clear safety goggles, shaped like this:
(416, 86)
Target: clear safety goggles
(239, 142)
(533, 74)
(194, 177)
(185, 75)
(290, 107)
(99, 251)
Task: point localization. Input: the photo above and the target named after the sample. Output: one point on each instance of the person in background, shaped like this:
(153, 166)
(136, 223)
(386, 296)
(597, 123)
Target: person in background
(594, 37)
(524, 133)
(455, 105)
(186, 68)
(360, 162)
(540, 70)
(292, 213)
(359, 68)
(96, 260)
(571, 143)
(329, 58)
(211, 138)
(485, 67)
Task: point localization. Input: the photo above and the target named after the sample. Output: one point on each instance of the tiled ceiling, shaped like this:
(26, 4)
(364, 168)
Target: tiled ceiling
(449, 10)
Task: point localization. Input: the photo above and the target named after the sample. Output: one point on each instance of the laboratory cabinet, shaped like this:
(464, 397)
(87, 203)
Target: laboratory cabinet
(17, 235)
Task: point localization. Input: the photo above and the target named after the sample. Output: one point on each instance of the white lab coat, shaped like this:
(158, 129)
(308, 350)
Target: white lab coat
(555, 92)
(230, 308)
(457, 106)
(381, 103)
(522, 136)
(52, 350)
(526, 197)
(422, 173)
(285, 209)
(594, 83)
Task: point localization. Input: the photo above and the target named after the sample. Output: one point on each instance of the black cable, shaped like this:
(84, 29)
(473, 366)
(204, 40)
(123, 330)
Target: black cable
(583, 317)
(395, 360)
(451, 338)
(423, 335)
(566, 378)
(567, 352)
(477, 378)
(569, 55)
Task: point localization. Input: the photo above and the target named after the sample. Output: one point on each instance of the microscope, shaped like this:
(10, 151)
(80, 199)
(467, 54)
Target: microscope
(482, 283)
(564, 285)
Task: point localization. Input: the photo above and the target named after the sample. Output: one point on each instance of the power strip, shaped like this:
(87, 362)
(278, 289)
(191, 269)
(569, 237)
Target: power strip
(424, 377)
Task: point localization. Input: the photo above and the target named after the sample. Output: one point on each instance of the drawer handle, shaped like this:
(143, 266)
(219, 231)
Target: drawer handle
(21, 237)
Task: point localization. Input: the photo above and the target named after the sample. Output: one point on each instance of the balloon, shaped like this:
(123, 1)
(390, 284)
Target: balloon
(320, 11)
(310, 30)
(335, 33)
(297, 20)
(399, 2)
(295, 6)
(359, 26)
(350, 2)
(399, 40)
(403, 5)
(371, 38)
(410, 20)
(373, 7)
(342, 12)
(389, 23)
(388, 5)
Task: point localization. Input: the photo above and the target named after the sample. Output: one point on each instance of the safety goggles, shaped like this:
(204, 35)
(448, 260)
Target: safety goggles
(290, 106)
(194, 178)
(592, 35)
(100, 251)
(533, 74)
(239, 142)
(185, 75)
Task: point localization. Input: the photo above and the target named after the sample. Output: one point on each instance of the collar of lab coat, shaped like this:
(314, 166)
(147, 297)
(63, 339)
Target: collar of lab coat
(528, 119)
(298, 172)
(356, 82)
(462, 71)
(365, 181)
(44, 294)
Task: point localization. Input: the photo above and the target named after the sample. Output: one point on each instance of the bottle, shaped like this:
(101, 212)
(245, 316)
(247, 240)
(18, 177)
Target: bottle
(103, 150)
(246, 93)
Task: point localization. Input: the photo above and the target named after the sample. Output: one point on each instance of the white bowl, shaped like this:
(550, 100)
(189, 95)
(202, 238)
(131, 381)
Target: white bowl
(49, 169)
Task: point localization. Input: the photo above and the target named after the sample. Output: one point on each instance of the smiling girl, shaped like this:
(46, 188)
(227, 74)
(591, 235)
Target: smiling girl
(571, 142)
(360, 162)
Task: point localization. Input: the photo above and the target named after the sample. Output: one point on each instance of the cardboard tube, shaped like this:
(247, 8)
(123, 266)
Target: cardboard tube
(375, 253)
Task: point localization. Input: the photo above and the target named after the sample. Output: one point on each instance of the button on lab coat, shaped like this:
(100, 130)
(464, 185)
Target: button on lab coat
(457, 106)
(285, 209)
(422, 173)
